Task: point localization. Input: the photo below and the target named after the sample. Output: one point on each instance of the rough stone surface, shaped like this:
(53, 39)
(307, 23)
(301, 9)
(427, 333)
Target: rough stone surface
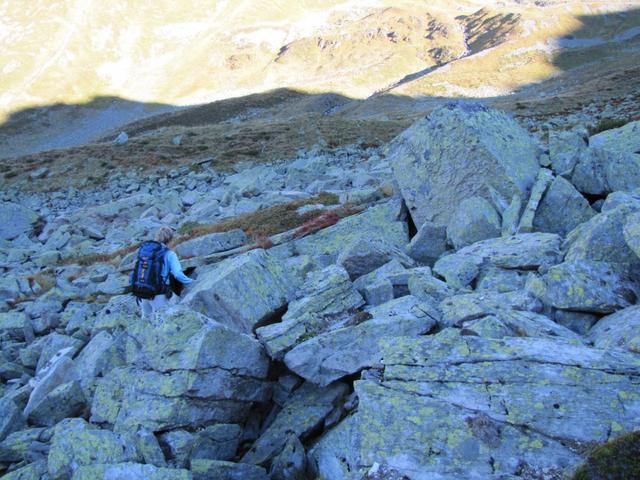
(425, 287)
(393, 272)
(129, 471)
(511, 216)
(212, 243)
(428, 244)
(12, 324)
(565, 148)
(501, 280)
(11, 418)
(453, 407)
(583, 286)
(474, 220)
(76, 443)
(382, 223)
(363, 256)
(65, 401)
(325, 299)
(291, 463)
(631, 232)
(603, 171)
(579, 322)
(208, 469)
(544, 178)
(304, 411)
(243, 291)
(623, 139)
(458, 151)
(525, 251)
(602, 239)
(335, 354)
(16, 220)
(185, 371)
(561, 197)
(33, 471)
(59, 371)
(620, 330)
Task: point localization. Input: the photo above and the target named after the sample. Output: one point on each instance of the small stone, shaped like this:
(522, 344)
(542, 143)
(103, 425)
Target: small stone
(121, 139)
(428, 244)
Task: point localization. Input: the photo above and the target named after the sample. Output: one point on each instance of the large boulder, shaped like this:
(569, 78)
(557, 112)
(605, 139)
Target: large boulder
(602, 171)
(619, 330)
(185, 370)
(384, 223)
(363, 256)
(603, 239)
(59, 370)
(16, 220)
(76, 443)
(461, 150)
(623, 139)
(561, 197)
(244, 291)
(451, 406)
(326, 298)
(338, 353)
(583, 286)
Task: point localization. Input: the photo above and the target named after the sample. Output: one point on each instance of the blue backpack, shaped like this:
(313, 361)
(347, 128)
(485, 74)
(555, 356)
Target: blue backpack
(146, 279)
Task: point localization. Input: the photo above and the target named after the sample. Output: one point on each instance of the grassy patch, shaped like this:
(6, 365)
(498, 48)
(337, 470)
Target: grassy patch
(45, 280)
(607, 124)
(91, 258)
(619, 458)
(261, 223)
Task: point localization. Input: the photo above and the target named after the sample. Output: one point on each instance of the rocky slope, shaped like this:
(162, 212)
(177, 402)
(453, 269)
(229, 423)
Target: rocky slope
(460, 303)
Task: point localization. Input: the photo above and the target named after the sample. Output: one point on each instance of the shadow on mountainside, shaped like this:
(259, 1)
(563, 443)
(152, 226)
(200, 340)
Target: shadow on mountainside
(72, 145)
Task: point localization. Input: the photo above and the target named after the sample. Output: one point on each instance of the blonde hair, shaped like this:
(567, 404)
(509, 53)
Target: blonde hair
(164, 235)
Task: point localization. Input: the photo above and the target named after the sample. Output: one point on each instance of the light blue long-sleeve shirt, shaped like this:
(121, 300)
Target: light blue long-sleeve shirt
(172, 264)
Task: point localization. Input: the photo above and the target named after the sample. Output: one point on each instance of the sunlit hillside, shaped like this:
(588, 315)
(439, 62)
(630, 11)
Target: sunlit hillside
(75, 70)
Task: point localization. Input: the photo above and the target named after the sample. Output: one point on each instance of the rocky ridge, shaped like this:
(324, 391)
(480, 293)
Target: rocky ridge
(473, 315)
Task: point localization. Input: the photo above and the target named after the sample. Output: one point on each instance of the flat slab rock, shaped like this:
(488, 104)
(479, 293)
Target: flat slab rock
(338, 353)
(583, 286)
(525, 251)
(453, 406)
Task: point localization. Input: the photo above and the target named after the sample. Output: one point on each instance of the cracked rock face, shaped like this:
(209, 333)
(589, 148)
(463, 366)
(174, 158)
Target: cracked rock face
(453, 406)
(184, 371)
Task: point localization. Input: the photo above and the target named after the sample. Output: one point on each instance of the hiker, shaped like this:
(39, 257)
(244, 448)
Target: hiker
(151, 278)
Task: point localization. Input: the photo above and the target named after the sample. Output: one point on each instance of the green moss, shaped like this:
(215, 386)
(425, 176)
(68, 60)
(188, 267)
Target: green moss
(607, 124)
(618, 459)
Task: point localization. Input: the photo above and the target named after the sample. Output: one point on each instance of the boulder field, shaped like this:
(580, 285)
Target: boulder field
(475, 315)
